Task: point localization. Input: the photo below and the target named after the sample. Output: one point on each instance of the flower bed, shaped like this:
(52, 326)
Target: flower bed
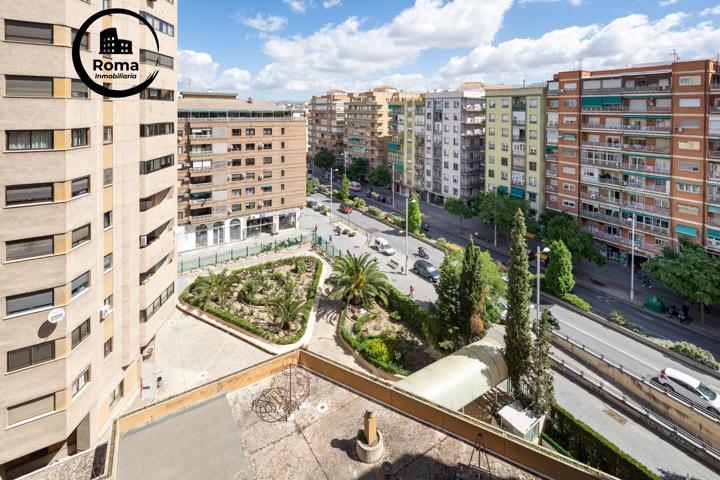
(251, 298)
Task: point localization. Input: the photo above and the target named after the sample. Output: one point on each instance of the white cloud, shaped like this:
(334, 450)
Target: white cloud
(627, 40)
(263, 23)
(575, 3)
(198, 71)
(298, 6)
(667, 3)
(711, 11)
(331, 3)
(347, 53)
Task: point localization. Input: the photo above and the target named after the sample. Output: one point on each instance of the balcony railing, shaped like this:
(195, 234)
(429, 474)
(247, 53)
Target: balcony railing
(713, 243)
(602, 108)
(601, 162)
(552, 124)
(714, 197)
(647, 208)
(610, 146)
(715, 87)
(647, 187)
(551, 157)
(551, 173)
(518, 123)
(629, 128)
(647, 168)
(197, 136)
(714, 153)
(647, 148)
(195, 186)
(625, 222)
(194, 153)
(623, 241)
(714, 109)
(551, 188)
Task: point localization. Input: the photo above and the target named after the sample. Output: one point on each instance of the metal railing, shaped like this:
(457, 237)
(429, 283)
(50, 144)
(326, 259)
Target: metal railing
(647, 148)
(714, 153)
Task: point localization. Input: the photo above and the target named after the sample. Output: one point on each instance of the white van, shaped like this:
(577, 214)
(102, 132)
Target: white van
(384, 247)
(355, 186)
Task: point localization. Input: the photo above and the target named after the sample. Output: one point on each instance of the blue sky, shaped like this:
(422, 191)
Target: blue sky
(292, 49)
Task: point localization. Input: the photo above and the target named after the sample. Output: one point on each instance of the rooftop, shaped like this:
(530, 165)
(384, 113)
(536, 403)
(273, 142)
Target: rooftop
(223, 101)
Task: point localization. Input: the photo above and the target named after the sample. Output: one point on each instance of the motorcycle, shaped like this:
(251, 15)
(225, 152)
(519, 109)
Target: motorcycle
(422, 253)
(671, 312)
(554, 323)
(425, 227)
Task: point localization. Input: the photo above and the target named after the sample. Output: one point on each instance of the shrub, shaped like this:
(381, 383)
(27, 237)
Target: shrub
(413, 315)
(618, 318)
(449, 246)
(396, 220)
(696, 353)
(382, 349)
(573, 299)
(360, 322)
(375, 211)
(359, 203)
(395, 316)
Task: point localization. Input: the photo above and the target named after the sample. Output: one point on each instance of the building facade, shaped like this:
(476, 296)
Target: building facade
(406, 144)
(641, 146)
(242, 169)
(515, 144)
(85, 181)
(326, 123)
(455, 142)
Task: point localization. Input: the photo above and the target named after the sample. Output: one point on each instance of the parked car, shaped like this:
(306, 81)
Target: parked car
(312, 203)
(427, 270)
(384, 247)
(355, 186)
(691, 388)
(425, 227)
(324, 209)
(345, 209)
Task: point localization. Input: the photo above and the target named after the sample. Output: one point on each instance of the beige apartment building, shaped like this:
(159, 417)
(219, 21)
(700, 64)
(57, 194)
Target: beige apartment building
(638, 145)
(241, 169)
(515, 144)
(87, 247)
(326, 123)
(406, 143)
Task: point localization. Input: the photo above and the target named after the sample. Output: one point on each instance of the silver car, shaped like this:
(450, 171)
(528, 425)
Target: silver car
(691, 388)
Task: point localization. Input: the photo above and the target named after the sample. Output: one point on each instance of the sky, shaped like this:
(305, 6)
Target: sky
(293, 49)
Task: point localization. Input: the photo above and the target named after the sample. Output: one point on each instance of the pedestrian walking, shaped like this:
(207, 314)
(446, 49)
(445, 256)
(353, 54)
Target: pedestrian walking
(412, 292)
(330, 238)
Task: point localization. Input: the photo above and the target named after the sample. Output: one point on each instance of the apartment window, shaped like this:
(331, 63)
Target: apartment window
(569, 186)
(30, 32)
(107, 219)
(505, 132)
(237, 192)
(159, 24)
(80, 137)
(154, 129)
(107, 85)
(568, 204)
(491, 159)
(505, 103)
(570, 103)
(249, 205)
(236, 132)
(84, 42)
(249, 146)
(267, 146)
(80, 186)
(154, 58)
(80, 382)
(505, 118)
(689, 167)
(24, 86)
(267, 131)
(554, 103)
(157, 303)
(30, 140)
(250, 132)
(31, 409)
(267, 203)
(532, 181)
(282, 131)
(24, 194)
(491, 173)
(267, 160)
(689, 209)
(107, 349)
(29, 301)
(107, 135)
(80, 333)
(266, 188)
(491, 145)
(248, 176)
(80, 235)
(570, 86)
(108, 262)
(80, 284)
(236, 207)
(249, 190)
(107, 176)
(282, 173)
(492, 103)
(690, 81)
(25, 357)
(78, 89)
(267, 174)
(532, 166)
(689, 124)
(249, 162)
(150, 166)
(158, 94)
(492, 117)
(688, 188)
(569, 170)
(689, 145)
(503, 176)
(118, 392)
(689, 102)
(29, 248)
(282, 199)
(533, 103)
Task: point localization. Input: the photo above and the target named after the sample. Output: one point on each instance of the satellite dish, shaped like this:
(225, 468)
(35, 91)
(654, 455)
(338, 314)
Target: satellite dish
(56, 315)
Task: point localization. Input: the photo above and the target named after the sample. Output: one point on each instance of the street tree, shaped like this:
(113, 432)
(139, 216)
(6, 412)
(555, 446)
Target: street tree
(357, 169)
(458, 207)
(324, 159)
(558, 275)
(497, 208)
(691, 272)
(311, 185)
(541, 392)
(414, 215)
(447, 305)
(561, 226)
(518, 341)
(344, 192)
(380, 176)
(358, 280)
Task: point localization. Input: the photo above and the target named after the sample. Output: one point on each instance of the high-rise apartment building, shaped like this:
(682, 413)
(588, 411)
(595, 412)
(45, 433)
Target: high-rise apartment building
(326, 123)
(455, 142)
(637, 145)
(406, 143)
(515, 144)
(242, 169)
(87, 247)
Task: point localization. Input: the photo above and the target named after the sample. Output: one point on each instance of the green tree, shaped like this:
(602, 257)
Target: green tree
(559, 275)
(213, 287)
(344, 192)
(358, 280)
(518, 341)
(357, 169)
(324, 159)
(481, 284)
(541, 391)
(691, 272)
(414, 215)
(458, 207)
(497, 208)
(447, 305)
(380, 176)
(286, 309)
(311, 185)
(561, 226)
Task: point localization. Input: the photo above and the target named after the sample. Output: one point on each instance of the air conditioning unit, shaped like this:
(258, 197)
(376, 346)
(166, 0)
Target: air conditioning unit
(143, 241)
(678, 129)
(260, 205)
(260, 177)
(105, 310)
(259, 147)
(242, 176)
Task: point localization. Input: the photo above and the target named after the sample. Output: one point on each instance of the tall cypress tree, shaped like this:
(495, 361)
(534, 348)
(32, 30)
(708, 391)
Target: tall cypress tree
(540, 384)
(448, 301)
(558, 275)
(518, 341)
(469, 289)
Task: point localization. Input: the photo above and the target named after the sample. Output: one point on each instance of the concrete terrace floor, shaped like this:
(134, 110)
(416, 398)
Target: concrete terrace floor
(316, 443)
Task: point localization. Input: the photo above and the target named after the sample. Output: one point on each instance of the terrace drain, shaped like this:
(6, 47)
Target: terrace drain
(322, 407)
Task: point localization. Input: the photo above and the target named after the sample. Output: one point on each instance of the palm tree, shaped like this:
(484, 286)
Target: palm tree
(286, 309)
(358, 280)
(215, 287)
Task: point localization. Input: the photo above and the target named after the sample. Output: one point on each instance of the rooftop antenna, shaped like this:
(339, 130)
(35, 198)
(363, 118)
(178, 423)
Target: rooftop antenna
(676, 56)
(523, 83)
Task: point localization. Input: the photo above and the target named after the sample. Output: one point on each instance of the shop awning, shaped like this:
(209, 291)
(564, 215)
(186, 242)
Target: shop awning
(615, 100)
(648, 115)
(713, 209)
(685, 230)
(502, 189)
(713, 233)
(517, 192)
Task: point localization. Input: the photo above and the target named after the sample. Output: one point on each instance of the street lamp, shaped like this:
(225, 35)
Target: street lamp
(632, 260)
(407, 234)
(331, 190)
(537, 305)
(495, 214)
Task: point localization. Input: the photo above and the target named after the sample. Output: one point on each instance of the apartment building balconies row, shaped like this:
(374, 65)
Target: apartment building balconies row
(628, 128)
(625, 109)
(616, 163)
(625, 222)
(599, 197)
(635, 89)
(626, 242)
(629, 147)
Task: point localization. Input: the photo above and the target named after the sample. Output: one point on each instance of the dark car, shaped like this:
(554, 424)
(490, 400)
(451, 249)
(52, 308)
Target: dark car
(425, 227)
(345, 209)
(427, 270)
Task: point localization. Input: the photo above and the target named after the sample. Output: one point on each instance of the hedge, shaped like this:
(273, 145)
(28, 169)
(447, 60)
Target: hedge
(251, 327)
(584, 444)
(413, 315)
(696, 353)
(577, 301)
(359, 343)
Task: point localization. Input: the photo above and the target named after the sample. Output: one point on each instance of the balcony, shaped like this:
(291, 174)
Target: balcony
(648, 247)
(551, 157)
(715, 87)
(714, 109)
(552, 124)
(519, 106)
(197, 186)
(647, 187)
(628, 128)
(552, 205)
(625, 222)
(598, 162)
(647, 168)
(551, 173)
(209, 216)
(600, 126)
(647, 89)
(195, 153)
(634, 147)
(602, 108)
(519, 122)
(714, 197)
(200, 136)
(551, 188)
(609, 146)
(712, 243)
(714, 153)
(665, 211)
